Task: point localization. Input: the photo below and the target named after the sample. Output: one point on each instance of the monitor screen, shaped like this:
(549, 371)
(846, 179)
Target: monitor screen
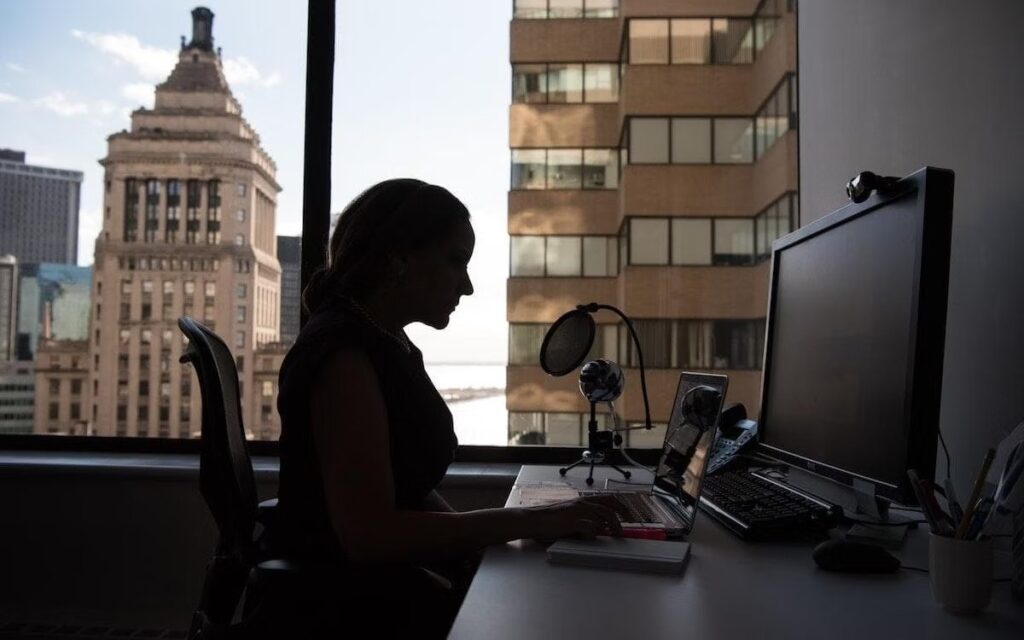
(843, 322)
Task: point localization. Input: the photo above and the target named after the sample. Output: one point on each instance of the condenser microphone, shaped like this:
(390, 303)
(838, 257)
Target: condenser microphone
(570, 338)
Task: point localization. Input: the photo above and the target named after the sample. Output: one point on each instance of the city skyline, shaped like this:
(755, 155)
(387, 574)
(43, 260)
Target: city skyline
(70, 75)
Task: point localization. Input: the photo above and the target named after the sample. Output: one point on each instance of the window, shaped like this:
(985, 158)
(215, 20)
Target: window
(691, 41)
(564, 256)
(691, 241)
(76, 387)
(239, 339)
(691, 140)
(648, 42)
(54, 386)
(240, 190)
(733, 40)
(527, 254)
(240, 215)
(190, 287)
(734, 241)
(600, 169)
(147, 286)
(734, 140)
(528, 168)
(240, 313)
(560, 83)
(268, 388)
(565, 83)
(524, 342)
(565, 169)
(541, 9)
(647, 243)
(600, 257)
(239, 239)
(240, 291)
(648, 140)
(210, 289)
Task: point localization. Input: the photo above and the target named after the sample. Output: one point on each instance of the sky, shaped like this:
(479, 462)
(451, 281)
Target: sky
(421, 89)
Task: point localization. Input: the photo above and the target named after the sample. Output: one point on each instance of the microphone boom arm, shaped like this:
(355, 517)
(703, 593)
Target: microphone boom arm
(592, 308)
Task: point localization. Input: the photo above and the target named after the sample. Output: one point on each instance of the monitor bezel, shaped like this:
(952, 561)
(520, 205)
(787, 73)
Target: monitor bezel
(933, 189)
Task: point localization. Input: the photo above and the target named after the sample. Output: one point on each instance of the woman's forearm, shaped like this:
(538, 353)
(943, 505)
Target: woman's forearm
(404, 536)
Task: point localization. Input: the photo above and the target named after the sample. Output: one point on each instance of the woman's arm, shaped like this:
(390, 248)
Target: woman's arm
(350, 434)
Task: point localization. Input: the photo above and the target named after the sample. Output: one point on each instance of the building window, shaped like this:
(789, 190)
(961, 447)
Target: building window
(565, 168)
(241, 290)
(691, 140)
(563, 256)
(268, 388)
(542, 9)
(240, 313)
(239, 339)
(54, 386)
(54, 411)
(240, 215)
(734, 241)
(648, 140)
(76, 387)
(691, 41)
(239, 239)
(734, 140)
(210, 288)
(190, 287)
(648, 241)
(691, 241)
(240, 190)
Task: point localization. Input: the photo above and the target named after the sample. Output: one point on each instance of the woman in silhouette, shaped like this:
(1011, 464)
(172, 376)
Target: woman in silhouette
(365, 436)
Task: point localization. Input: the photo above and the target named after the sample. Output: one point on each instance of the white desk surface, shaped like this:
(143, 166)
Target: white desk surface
(730, 589)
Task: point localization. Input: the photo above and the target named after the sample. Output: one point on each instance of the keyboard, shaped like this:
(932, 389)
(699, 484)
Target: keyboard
(644, 508)
(755, 507)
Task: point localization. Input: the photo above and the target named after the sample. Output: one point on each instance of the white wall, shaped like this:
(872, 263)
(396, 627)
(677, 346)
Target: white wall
(890, 86)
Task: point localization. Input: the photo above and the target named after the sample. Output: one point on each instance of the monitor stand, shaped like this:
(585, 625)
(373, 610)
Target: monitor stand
(861, 503)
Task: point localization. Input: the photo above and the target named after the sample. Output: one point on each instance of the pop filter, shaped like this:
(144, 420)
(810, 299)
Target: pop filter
(567, 342)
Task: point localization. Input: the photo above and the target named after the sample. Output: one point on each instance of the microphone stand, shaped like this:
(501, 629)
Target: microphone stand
(593, 308)
(599, 444)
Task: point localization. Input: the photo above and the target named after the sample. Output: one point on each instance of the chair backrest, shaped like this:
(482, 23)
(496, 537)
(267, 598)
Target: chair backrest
(225, 469)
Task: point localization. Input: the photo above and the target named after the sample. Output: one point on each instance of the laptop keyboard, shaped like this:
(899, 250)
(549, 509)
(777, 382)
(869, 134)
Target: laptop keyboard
(641, 508)
(752, 507)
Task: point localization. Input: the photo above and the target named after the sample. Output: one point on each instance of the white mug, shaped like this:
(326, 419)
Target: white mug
(961, 573)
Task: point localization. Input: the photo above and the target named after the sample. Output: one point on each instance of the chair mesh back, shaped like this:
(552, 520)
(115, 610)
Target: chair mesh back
(226, 477)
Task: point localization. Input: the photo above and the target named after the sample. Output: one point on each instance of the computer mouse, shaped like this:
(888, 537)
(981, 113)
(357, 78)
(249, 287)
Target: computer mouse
(854, 557)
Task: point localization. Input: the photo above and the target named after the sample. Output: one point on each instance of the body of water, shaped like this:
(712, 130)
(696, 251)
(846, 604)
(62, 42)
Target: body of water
(481, 421)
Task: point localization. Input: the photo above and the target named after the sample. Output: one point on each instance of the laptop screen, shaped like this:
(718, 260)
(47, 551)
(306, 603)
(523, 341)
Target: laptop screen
(689, 437)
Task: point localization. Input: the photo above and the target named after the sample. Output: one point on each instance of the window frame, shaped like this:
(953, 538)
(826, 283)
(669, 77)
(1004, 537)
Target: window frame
(319, 85)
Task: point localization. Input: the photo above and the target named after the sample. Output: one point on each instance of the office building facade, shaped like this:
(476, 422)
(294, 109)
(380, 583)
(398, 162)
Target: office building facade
(38, 210)
(188, 230)
(17, 398)
(289, 254)
(654, 158)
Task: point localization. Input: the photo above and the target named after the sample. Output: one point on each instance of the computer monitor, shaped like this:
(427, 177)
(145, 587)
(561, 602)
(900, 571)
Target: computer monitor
(855, 336)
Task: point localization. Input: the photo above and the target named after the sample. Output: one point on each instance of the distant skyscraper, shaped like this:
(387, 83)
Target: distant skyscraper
(38, 210)
(8, 306)
(190, 207)
(55, 295)
(289, 253)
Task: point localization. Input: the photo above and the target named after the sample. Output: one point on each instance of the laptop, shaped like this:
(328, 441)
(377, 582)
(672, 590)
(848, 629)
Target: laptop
(670, 503)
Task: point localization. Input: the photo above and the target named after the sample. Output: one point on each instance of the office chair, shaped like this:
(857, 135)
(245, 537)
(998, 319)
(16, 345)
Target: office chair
(228, 486)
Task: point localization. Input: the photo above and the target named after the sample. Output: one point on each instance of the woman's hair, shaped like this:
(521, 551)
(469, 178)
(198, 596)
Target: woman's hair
(390, 218)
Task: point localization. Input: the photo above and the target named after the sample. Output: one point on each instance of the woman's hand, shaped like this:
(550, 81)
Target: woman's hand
(583, 517)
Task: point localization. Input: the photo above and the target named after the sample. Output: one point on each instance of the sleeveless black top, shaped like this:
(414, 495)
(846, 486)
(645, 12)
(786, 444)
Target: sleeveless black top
(422, 440)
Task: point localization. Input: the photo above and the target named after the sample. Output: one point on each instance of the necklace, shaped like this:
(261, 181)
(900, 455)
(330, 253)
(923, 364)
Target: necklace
(400, 338)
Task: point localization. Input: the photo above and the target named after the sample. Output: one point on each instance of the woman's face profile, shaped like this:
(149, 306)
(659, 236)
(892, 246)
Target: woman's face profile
(436, 276)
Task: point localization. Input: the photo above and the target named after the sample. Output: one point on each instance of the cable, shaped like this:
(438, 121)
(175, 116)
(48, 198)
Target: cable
(909, 568)
(875, 523)
(945, 449)
(622, 447)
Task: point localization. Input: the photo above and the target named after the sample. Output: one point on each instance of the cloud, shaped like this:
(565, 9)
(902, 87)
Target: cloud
(152, 63)
(6, 97)
(155, 64)
(105, 107)
(241, 70)
(139, 93)
(57, 102)
(16, 67)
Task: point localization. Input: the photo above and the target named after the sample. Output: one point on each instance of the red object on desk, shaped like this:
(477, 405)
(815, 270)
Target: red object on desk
(647, 534)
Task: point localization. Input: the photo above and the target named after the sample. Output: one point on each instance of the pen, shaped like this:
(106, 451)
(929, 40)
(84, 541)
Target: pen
(915, 484)
(972, 504)
(980, 518)
(955, 509)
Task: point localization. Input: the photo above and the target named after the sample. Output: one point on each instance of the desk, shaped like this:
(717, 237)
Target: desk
(730, 589)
